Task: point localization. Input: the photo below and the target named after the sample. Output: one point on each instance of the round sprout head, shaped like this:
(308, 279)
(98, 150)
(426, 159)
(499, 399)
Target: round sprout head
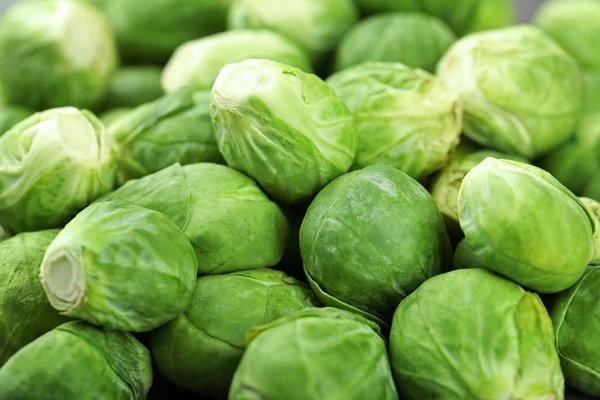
(77, 61)
(541, 235)
(52, 165)
(283, 127)
(522, 93)
(198, 63)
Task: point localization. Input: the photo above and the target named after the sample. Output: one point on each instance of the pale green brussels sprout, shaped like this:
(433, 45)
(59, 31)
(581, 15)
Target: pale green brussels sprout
(404, 117)
(150, 32)
(471, 334)
(593, 207)
(283, 127)
(591, 90)
(120, 266)
(463, 16)
(576, 317)
(314, 354)
(110, 116)
(574, 25)
(55, 53)
(576, 162)
(315, 25)
(173, 129)
(523, 223)
(230, 222)
(198, 63)
(201, 349)
(4, 234)
(414, 39)
(448, 181)
(52, 165)
(25, 312)
(133, 86)
(369, 239)
(522, 93)
(78, 361)
(12, 115)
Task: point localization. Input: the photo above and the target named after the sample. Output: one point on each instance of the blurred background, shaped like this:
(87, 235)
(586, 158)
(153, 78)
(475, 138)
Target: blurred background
(526, 7)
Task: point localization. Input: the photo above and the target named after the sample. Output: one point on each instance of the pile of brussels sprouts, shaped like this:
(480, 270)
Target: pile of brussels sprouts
(299, 200)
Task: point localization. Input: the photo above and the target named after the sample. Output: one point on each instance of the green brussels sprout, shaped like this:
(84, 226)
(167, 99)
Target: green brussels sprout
(110, 116)
(198, 63)
(404, 117)
(576, 317)
(317, 353)
(315, 25)
(593, 207)
(4, 234)
(25, 312)
(464, 17)
(133, 86)
(522, 92)
(55, 53)
(522, 223)
(448, 181)
(230, 222)
(574, 25)
(78, 361)
(52, 165)
(369, 239)
(150, 32)
(414, 39)
(283, 127)
(173, 129)
(470, 334)
(576, 162)
(120, 266)
(201, 349)
(12, 115)
(591, 90)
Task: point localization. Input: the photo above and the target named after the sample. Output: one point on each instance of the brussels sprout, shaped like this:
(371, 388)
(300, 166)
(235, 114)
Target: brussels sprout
(173, 129)
(464, 257)
(576, 162)
(521, 222)
(230, 222)
(404, 118)
(574, 25)
(369, 239)
(591, 90)
(522, 93)
(78, 361)
(464, 16)
(12, 115)
(318, 353)
(25, 312)
(55, 53)
(446, 184)
(576, 317)
(470, 334)
(110, 116)
(120, 266)
(415, 39)
(133, 86)
(52, 165)
(315, 25)
(150, 32)
(201, 349)
(283, 127)
(198, 63)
